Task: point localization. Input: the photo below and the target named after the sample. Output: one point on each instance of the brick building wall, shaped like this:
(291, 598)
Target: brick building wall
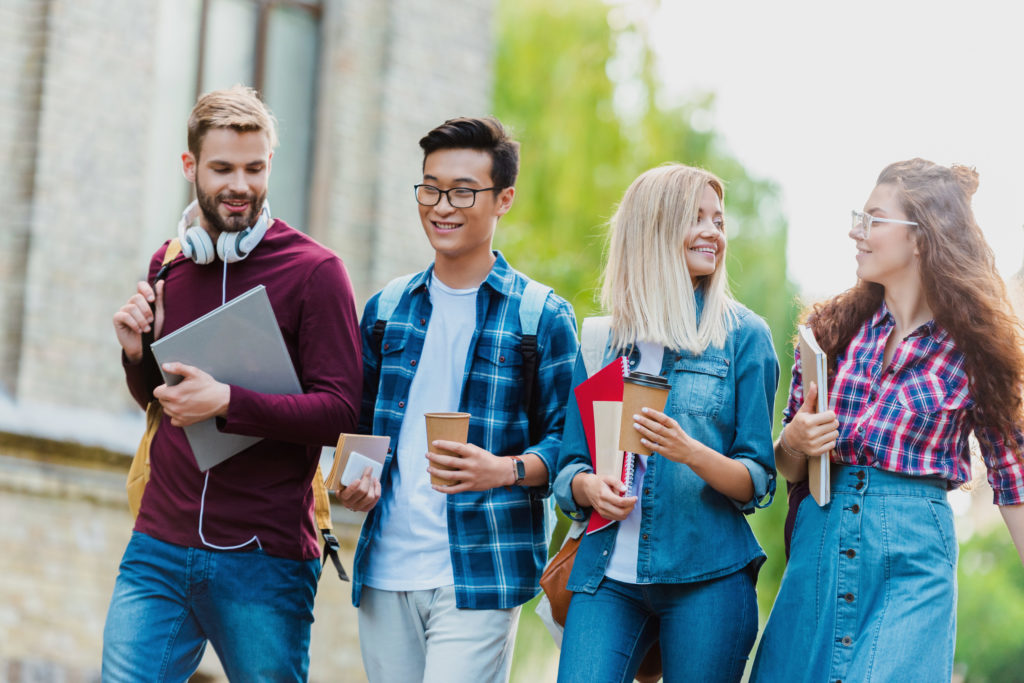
(22, 31)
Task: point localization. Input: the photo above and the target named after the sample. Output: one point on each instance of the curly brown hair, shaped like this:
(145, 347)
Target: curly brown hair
(960, 284)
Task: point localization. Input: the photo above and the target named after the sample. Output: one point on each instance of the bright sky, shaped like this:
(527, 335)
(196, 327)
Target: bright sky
(820, 96)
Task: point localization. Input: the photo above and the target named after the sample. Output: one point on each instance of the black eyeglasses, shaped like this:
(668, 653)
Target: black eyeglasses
(458, 197)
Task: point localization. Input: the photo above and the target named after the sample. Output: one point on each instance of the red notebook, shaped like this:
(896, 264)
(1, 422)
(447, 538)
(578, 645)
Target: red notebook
(604, 385)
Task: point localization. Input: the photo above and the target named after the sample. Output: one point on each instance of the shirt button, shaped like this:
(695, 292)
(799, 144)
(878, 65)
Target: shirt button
(647, 492)
(860, 430)
(855, 509)
(412, 363)
(423, 321)
(387, 346)
(851, 553)
(848, 597)
(401, 404)
(860, 474)
(605, 552)
(632, 362)
(389, 450)
(644, 536)
(859, 485)
(847, 640)
(501, 359)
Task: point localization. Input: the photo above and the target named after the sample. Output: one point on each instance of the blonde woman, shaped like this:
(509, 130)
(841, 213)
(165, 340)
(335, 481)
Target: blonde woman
(681, 561)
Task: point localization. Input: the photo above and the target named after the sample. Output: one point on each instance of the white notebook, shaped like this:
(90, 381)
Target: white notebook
(238, 343)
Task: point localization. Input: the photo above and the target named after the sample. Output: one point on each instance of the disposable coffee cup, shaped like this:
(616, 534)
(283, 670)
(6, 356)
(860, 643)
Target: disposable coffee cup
(446, 427)
(640, 390)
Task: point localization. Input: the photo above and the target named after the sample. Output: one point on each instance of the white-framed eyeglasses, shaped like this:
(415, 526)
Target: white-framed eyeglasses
(863, 221)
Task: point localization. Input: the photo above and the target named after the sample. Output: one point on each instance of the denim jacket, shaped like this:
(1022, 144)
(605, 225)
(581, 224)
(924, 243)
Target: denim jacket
(690, 532)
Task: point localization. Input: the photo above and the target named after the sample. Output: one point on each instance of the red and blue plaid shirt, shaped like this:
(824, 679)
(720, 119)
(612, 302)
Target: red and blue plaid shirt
(914, 417)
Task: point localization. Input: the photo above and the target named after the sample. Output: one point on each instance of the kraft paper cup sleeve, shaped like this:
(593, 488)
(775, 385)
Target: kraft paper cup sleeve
(446, 427)
(635, 397)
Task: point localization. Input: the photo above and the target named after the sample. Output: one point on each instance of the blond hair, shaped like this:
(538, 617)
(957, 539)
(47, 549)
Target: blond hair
(646, 284)
(238, 108)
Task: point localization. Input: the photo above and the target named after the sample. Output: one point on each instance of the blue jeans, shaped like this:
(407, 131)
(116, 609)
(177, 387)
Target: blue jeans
(706, 629)
(256, 611)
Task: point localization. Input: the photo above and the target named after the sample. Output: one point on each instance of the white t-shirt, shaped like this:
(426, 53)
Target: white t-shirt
(410, 546)
(622, 563)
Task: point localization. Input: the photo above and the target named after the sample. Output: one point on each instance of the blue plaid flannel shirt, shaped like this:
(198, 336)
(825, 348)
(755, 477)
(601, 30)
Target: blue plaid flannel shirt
(499, 538)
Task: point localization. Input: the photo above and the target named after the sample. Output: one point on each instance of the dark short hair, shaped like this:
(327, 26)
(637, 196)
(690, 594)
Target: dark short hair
(484, 134)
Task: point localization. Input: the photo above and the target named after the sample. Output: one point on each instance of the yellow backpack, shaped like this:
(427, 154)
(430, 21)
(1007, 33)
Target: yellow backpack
(138, 473)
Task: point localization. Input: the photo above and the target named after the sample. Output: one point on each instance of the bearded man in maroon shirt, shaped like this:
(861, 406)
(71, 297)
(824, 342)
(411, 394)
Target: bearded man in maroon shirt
(230, 556)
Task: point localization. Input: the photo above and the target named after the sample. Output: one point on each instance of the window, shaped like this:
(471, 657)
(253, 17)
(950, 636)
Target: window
(272, 45)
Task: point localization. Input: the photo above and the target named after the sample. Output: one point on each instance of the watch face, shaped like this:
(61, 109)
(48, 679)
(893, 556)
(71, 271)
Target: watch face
(520, 470)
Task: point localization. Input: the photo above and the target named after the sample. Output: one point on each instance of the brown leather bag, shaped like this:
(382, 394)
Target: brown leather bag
(556, 577)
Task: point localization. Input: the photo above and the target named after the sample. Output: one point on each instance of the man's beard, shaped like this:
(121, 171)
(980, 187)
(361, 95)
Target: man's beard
(235, 222)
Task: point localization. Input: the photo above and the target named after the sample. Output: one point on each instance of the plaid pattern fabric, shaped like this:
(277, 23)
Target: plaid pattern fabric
(499, 538)
(915, 417)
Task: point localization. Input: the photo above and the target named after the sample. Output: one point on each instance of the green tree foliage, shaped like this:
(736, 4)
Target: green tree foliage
(989, 645)
(580, 151)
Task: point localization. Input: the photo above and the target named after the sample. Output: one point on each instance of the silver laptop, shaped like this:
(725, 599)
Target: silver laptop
(238, 343)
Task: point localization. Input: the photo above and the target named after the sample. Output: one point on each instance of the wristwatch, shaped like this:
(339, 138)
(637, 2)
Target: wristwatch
(520, 469)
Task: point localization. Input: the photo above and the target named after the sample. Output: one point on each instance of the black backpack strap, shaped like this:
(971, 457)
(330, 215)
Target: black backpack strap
(331, 548)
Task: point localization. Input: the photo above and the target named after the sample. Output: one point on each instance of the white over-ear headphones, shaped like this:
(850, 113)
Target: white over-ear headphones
(231, 246)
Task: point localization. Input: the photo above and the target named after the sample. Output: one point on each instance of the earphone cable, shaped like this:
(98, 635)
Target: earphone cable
(206, 480)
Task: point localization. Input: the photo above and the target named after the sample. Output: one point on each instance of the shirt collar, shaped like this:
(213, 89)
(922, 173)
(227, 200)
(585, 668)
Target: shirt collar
(501, 278)
(883, 316)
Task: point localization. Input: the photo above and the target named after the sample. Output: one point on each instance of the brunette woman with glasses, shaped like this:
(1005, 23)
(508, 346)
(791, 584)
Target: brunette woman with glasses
(923, 352)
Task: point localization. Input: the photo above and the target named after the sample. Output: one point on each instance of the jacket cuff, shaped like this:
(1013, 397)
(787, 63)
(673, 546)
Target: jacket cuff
(764, 487)
(563, 491)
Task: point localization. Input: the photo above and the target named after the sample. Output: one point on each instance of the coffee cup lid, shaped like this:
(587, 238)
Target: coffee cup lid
(647, 380)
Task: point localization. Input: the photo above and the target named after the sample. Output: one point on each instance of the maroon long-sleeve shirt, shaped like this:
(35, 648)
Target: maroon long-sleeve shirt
(264, 490)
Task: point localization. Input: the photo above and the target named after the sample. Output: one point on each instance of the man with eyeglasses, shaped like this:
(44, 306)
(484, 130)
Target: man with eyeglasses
(441, 572)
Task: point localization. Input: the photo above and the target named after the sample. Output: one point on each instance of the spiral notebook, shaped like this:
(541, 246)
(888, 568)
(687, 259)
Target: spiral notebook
(599, 398)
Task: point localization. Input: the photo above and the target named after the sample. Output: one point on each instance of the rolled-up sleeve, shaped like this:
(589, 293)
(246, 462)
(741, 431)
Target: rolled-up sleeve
(1005, 471)
(574, 453)
(757, 379)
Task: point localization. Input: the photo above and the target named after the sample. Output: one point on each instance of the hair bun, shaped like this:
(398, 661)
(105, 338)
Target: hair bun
(967, 177)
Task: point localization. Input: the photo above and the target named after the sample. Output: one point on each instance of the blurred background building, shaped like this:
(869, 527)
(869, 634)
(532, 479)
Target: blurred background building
(94, 95)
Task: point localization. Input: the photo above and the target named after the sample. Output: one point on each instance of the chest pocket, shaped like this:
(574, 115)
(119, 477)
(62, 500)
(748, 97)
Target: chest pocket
(698, 385)
(928, 395)
(500, 363)
(392, 346)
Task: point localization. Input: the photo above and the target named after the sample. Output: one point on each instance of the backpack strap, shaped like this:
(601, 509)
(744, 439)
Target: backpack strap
(322, 510)
(388, 301)
(594, 341)
(138, 473)
(531, 306)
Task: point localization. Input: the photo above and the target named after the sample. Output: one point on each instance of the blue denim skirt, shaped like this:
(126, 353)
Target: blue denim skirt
(869, 593)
